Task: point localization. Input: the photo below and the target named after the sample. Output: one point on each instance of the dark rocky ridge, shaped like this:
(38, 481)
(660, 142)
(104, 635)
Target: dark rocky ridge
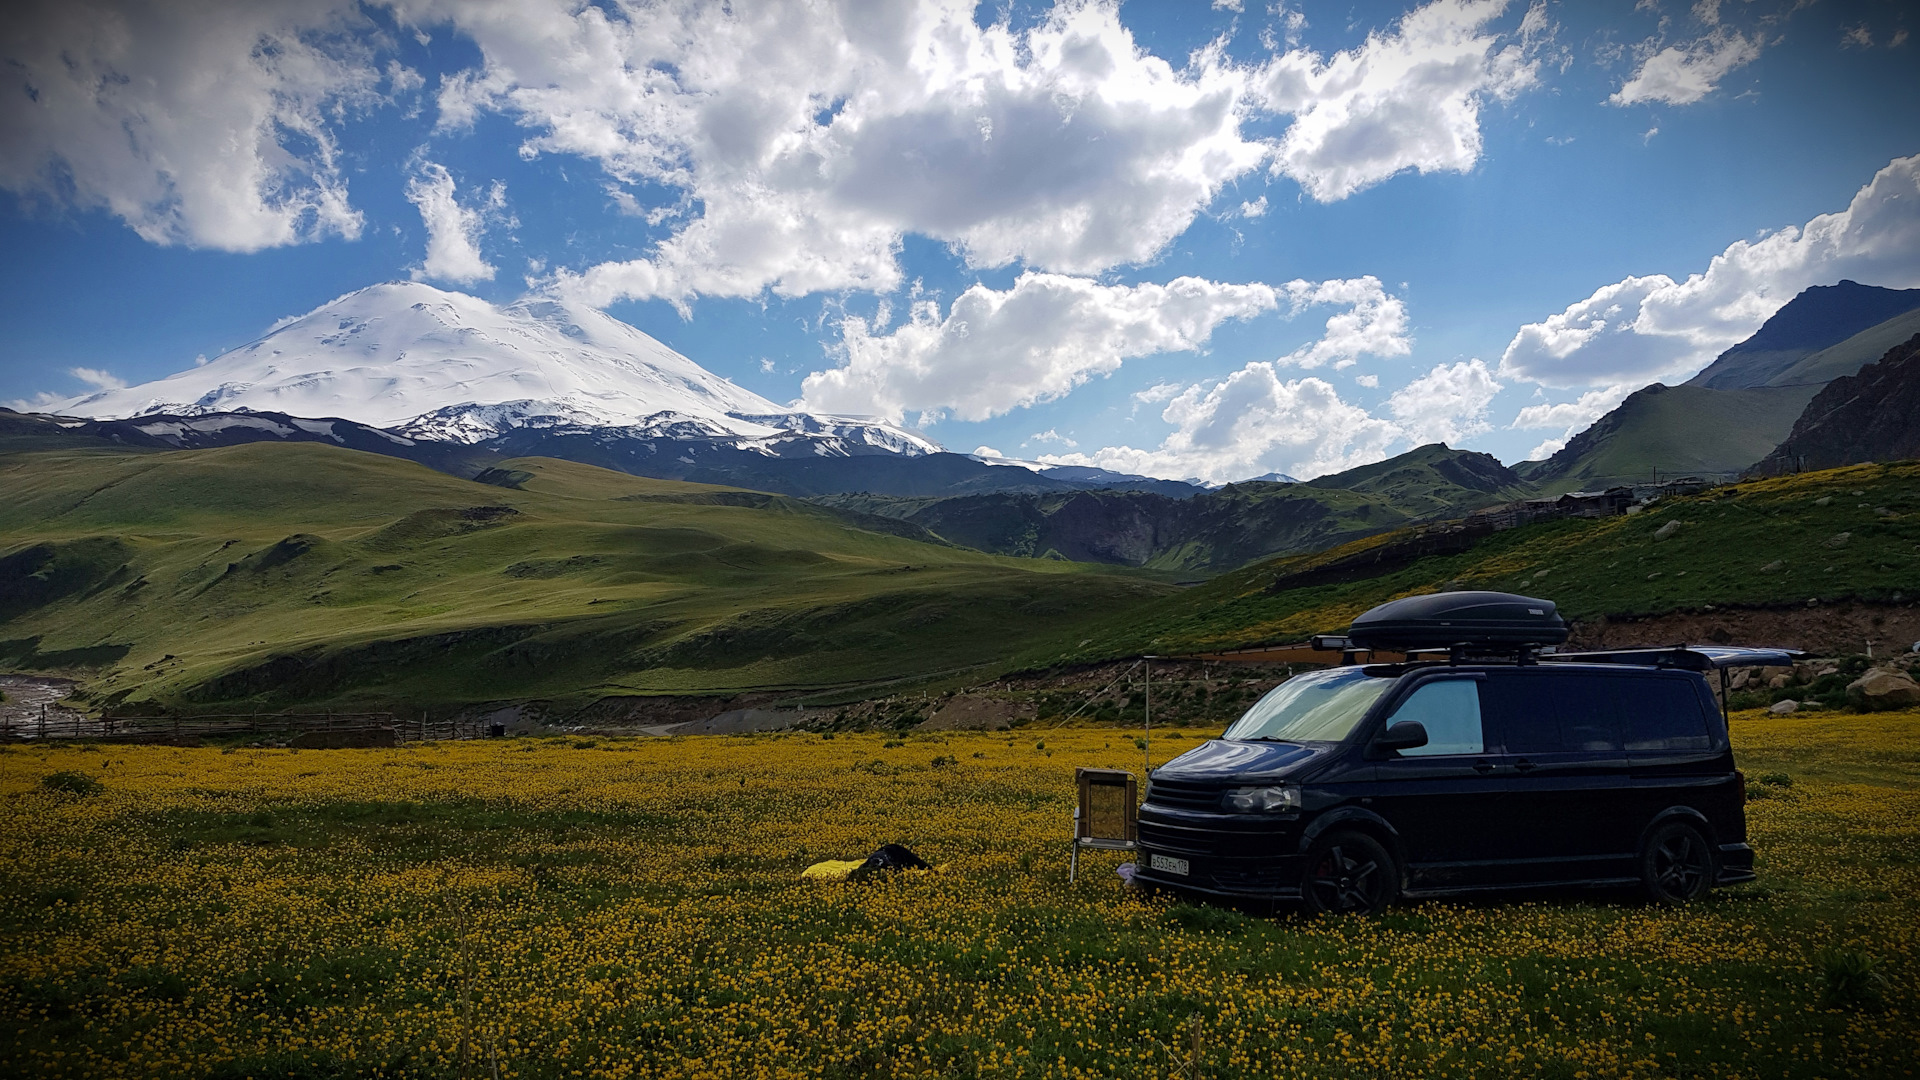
(1871, 416)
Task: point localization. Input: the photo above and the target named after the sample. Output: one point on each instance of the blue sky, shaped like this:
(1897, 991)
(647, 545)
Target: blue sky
(1112, 235)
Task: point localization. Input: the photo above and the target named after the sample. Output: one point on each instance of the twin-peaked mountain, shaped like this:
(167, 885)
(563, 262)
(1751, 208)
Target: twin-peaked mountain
(427, 364)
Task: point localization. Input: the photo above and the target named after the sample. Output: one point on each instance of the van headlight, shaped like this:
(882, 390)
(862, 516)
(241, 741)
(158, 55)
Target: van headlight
(1277, 799)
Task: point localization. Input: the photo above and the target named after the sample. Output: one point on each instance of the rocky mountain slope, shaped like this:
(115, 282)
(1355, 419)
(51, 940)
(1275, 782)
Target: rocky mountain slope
(1215, 530)
(1870, 416)
(1816, 319)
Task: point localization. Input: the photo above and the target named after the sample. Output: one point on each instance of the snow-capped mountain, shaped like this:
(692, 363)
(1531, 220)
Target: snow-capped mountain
(445, 366)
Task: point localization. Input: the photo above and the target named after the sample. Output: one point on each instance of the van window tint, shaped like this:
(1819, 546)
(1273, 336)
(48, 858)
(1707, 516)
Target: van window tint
(1523, 707)
(1589, 709)
(1450, 711)
(1664, 714)
(1549, 712)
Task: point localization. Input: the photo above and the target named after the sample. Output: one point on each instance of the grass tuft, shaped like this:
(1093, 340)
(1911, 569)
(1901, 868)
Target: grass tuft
(72, 783)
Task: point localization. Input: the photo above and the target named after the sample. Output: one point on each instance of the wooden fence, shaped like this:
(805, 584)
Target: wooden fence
(310, 729)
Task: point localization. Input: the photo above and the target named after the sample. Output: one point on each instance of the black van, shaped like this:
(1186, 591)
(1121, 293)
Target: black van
(1498, 764)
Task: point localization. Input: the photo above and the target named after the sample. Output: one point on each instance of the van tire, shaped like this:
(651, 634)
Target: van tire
(1348, 873)
(1676, 864)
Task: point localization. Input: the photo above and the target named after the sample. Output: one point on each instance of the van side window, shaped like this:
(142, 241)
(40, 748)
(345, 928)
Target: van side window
(1664, 714)
(1523, 710)
(1590, 713)
(1450, 711)
(1550, 713)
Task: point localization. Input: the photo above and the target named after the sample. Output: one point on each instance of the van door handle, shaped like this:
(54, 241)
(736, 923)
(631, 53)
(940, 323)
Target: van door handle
(1483, 766)
(1523, 765)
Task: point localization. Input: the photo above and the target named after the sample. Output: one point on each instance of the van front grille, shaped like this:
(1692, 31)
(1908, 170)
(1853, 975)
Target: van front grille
(1184, 795)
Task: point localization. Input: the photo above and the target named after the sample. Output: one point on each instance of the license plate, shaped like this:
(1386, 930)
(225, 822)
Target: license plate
(1168, 863)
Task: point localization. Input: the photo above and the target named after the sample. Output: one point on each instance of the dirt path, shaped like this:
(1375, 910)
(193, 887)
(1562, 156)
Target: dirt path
(31, 699)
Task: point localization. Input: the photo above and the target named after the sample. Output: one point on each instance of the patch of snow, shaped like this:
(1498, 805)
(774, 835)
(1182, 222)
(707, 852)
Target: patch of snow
(221, 423)
(163, 429)
(319, 427)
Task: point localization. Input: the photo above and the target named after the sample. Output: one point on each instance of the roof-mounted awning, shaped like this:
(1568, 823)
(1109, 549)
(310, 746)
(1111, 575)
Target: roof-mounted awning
(1685, 657)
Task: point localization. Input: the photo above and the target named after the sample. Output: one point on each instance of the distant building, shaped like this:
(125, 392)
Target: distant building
(1609, 503)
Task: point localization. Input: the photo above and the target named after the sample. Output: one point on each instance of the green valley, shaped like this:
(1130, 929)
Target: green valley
(260, 575)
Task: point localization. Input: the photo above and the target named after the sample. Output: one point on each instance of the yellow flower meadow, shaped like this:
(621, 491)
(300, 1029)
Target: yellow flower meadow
(633, 908)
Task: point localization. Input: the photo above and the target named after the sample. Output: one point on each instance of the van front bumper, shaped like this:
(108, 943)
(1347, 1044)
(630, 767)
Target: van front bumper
(1200, 884)
(1238, 856)
(1735, 864)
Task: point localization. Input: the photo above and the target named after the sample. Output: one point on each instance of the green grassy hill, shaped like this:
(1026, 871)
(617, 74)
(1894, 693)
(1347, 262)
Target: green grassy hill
(267, 574)
(1767, 542)
(1679, 430)
(1433, 481)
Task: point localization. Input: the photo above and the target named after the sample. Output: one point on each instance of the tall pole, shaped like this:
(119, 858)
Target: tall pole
(1146, 748)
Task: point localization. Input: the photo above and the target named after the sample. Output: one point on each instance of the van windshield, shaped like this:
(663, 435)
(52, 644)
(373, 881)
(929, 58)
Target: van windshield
(1319, 706)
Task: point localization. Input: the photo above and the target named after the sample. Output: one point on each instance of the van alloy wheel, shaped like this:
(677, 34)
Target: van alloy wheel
(1677, 865)
(1349, 873)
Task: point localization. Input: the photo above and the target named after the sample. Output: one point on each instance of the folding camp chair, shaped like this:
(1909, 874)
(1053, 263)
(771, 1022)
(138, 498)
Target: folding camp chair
(1104, 817)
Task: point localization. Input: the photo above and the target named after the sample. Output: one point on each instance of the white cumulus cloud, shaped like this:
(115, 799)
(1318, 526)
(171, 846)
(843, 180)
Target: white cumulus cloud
(1684, 74)
(813, 136)
(209, 124)
(1570, 416)
(1256, 421)
(1446, 404)
(453, 230)
(997, 350)
(98, 379)
(1371, 322)
(1050, 435)
(788, 147)
(1250, 423)
(805, 140)
(1650, 327)
(1408, 99)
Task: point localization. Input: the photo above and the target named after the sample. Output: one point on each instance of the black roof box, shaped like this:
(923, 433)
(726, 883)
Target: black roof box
(1441, 620)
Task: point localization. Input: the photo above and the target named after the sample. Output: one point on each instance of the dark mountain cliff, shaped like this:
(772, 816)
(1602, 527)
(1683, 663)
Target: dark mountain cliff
(1871, 416)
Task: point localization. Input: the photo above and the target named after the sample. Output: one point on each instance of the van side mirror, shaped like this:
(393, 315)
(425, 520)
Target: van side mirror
(1405, 735)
